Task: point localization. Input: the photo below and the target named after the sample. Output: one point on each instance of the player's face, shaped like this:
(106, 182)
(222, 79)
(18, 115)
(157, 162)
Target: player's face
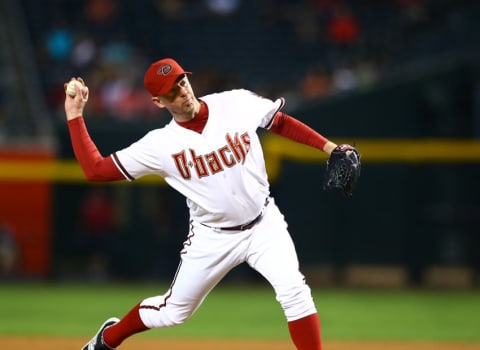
(180, 100)
(181, 86)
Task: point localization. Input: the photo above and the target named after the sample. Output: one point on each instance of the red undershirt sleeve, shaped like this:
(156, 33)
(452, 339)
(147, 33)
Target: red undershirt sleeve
(293, 129)
(94, 165)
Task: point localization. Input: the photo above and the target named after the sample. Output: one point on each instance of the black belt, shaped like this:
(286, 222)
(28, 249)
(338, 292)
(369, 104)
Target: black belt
(243, 227)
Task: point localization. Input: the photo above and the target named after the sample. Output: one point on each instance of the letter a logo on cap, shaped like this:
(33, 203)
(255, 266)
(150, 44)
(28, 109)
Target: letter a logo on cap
(165, 69)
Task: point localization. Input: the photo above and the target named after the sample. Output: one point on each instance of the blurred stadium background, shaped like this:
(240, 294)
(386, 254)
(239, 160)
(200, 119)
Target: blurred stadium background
(400, 78)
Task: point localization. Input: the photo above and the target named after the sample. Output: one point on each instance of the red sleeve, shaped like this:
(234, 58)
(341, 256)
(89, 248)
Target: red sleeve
(293, 129)
(94, 165)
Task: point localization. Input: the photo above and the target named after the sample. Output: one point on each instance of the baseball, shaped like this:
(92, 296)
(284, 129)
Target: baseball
(71, 87)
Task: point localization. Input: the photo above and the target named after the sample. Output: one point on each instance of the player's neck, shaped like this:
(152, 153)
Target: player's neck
(186, 116)
(198, 123)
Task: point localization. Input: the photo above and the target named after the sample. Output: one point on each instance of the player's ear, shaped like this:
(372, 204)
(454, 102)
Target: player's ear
(156, 101)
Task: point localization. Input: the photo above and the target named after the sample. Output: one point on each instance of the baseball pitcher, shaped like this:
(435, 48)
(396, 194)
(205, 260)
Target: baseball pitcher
(209, 152)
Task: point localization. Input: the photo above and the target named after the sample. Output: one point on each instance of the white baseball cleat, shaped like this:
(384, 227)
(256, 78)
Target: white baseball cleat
(96, 343)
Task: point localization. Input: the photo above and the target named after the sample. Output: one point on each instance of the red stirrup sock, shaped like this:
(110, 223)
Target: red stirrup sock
(129, 325)
(305, 333)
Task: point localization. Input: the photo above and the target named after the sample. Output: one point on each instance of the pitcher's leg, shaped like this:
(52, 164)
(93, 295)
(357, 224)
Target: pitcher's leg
(305, 332)
(170, 309)
(129, 325)
(205, 260)
(274, 256)
(189, 288)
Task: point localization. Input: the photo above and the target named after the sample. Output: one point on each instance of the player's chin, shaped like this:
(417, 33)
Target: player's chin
(188, 106)
(188, 103)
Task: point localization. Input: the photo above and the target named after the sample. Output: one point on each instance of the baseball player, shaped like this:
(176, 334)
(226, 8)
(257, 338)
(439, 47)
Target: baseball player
(209, 152)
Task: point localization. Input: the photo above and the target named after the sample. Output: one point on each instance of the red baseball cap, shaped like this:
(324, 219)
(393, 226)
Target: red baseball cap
(161, 75)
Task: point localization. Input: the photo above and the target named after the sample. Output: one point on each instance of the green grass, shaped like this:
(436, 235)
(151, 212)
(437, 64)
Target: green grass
(401, 315)
(246, 312)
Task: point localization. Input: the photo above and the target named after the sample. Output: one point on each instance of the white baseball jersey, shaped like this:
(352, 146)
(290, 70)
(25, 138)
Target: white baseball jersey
(221, 171)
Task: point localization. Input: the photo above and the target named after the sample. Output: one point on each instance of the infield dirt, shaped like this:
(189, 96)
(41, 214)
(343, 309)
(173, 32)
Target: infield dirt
(49, 343)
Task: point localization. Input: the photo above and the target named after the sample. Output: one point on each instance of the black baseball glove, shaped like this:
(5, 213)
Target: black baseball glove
(343, 169)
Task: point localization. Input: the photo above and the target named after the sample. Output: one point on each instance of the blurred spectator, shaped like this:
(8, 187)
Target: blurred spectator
(344, 78)
(117, 51)
(59, 42)
(122, 99)
(343, 28)
(222, 7)
(100, 11)
(103, 19)
(366, 73)
(98, 227)
(315, 84)
(84, 52)
(119, 82)
(104, 43)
